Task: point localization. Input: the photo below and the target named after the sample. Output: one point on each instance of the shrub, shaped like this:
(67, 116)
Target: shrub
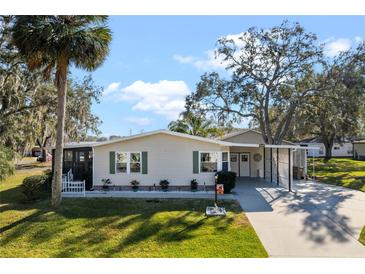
(106, 182)
(193, 185)
(228, 179)
(134, 184)
(37, 186)
(164, 184)
(47, 186)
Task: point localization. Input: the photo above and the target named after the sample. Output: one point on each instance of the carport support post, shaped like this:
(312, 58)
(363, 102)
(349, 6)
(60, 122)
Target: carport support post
(277, 166)
(289, 154)
(264, 162)
(271, 163)
(313, 175)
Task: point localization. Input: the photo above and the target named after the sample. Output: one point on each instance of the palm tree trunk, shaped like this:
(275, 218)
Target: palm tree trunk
(61, 83)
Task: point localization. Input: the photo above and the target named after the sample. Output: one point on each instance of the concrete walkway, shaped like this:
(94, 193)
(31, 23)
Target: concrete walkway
(150, 195)
(318, 220)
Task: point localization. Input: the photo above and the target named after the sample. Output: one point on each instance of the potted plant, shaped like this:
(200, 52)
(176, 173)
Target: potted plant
(164, 185)
(106, 182)
(134, 184)
(194, 185)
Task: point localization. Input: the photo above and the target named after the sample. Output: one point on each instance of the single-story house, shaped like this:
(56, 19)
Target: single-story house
(179, 158)
(359, 150)
(343, 149)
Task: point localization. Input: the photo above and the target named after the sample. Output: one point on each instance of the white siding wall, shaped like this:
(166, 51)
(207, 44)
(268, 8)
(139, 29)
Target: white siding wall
(249, 137)
(169, 157)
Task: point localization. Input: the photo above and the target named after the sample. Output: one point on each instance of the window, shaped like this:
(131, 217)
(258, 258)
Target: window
(234, 158)
(68, 156)
(208, 161)
(225, 161)
(128, 162)
(81, 156)
(336, 148)
(321, 151)
(135, 165)
(121, 162)
(244, 158)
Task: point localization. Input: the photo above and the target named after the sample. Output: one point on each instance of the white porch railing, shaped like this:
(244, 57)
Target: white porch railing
(71, 186)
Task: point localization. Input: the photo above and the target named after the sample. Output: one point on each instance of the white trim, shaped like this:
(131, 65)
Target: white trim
(172, 133)
(228, 160)
(242, 145)
(289, 146)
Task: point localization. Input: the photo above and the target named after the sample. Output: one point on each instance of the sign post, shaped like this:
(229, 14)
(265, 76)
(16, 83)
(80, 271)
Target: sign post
(216, 210)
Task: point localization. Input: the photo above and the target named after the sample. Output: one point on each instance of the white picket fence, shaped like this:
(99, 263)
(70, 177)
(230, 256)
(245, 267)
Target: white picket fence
(70, 186)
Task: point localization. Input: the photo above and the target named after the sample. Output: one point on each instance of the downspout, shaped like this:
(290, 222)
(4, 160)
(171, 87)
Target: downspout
(289, 171)
(277, 166)
(264, 161)
(271, 164)
(92, 177)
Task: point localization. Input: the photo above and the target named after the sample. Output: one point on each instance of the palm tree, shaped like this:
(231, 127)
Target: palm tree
(56, 42)
(195, 124)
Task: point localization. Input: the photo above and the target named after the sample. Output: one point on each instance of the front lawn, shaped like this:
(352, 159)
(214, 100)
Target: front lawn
(122, 228)
(339, 171)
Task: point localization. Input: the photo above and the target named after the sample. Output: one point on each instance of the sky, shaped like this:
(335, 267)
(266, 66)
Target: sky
(155, 61)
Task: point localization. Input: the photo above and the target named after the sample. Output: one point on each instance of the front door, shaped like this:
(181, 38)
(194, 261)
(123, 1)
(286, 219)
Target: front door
(244, 165)
(80, 165)
(83, 167)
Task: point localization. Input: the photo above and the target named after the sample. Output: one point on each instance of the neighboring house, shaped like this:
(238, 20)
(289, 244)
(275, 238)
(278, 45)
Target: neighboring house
(153, 156)
(359, 150)
(338, 150)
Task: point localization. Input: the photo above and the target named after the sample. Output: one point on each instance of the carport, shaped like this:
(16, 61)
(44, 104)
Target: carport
(277, 164)
(280, 162)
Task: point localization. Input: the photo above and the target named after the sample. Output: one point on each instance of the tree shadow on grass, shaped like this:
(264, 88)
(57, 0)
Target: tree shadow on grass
(91, 226)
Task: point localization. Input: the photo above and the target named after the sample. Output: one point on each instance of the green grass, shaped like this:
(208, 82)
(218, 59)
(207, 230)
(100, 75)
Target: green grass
(362, 236)
(339, 171)
(121, 228)
(31, 163)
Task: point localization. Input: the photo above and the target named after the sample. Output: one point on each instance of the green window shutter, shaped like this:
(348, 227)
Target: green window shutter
(112, 162)
(195, 162)
(144, 162)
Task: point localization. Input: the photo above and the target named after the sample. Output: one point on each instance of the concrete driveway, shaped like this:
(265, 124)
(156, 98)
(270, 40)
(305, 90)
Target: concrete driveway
(318, 220)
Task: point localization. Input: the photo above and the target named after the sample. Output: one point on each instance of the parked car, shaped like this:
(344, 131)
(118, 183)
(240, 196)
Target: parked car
(48, 157)
(36, 151)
